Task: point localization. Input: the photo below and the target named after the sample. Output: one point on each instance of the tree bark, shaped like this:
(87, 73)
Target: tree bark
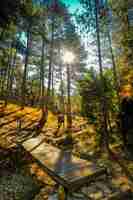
(23, 94)
(116, 81)
(61, 82)
(50, 62)
(52, 81)
(9, 73)
(69, 116)
(12, 72)
(42, 75)
(104, 129)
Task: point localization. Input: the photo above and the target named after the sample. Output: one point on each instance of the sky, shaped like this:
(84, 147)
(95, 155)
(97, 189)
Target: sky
(73, 4)
(92, 60)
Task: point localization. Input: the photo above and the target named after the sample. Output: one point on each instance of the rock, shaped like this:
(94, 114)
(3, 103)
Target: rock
(17, 187)
(102, 186)
(98, 195)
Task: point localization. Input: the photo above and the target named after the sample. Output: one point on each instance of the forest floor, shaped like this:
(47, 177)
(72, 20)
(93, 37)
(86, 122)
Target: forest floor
(20, 175)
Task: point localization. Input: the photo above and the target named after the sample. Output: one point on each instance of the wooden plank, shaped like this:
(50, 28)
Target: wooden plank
(62, 166)
(60, 139)
(130, 16)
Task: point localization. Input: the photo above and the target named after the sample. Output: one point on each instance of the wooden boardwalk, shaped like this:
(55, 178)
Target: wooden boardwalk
(67, 170)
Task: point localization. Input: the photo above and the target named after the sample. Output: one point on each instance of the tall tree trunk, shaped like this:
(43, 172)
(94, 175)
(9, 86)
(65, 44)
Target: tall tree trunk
(69, 116)
(52, 81)
(104, 127)
(50, 62)
(44, 113)
(4, 72)
(9, 73)
(61, 82)
(40, 87)
(42, 75)
(2, 82)
(116, 81)
(2, 33)
(12, 72)
(23, 90)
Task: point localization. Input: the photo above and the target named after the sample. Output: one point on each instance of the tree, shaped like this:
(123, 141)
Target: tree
(91, 13)
(30, 19)
(9, 11)
(122, 38)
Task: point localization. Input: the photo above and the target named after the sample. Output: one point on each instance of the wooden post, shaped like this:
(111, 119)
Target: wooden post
(69, 116)
(2, 109)
(19, 124)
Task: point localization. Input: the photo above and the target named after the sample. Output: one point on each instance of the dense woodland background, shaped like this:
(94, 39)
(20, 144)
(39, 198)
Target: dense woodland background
(34, 36)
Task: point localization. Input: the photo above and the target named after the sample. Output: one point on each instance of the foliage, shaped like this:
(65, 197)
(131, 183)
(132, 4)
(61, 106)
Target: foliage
(122, 38)
(90, 91)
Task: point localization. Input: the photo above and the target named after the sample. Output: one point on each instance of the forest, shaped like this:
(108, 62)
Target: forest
(66, 100)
